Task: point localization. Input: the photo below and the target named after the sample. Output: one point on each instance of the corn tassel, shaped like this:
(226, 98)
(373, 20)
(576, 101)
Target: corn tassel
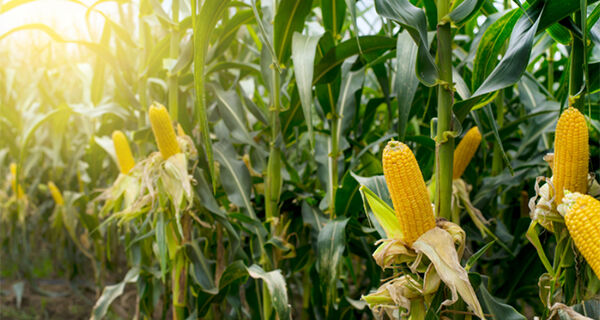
(124, 156)
(408, 191)
(465, 151)
(163, 130)
(56, 195)
(17, 189)
(571, 154)
(582, 218)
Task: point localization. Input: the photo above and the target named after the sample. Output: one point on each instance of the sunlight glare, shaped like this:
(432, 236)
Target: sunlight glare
(65, 17)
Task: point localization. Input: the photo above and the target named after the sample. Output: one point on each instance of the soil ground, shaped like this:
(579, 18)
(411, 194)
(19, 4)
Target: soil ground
(57, 300)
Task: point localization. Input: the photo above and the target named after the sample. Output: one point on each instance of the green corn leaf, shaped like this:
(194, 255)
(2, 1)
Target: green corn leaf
(289, 19)
(204, 23)
(414, 20)
(406, 79)
(334, 13)
(330, 247)
(383, 217)
(303, 56)
(325, 70)
(277, 289)
(495, 308)
(464, 11)
(112, 292)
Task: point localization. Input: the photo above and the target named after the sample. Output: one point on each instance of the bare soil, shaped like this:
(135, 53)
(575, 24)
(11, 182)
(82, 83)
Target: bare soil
(58, 300)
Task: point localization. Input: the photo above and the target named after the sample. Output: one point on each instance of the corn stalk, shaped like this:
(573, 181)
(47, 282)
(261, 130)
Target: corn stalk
(497, 157)
(173, 55)
(576, 60)
(273, 181)
(444, 141)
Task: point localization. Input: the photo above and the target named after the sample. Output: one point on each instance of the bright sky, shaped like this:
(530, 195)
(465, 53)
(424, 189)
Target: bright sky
(65, 17)
(68, 18)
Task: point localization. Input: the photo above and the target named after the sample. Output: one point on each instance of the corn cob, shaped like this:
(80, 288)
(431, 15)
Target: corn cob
(465, 151)
(124, 156)
(571, 154)
(56, 195)
(17, 189)
(163, 130)
(408, 191)
(582, 218)
(13, 176)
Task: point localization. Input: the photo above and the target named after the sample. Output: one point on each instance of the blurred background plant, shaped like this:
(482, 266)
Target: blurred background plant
(289, 104)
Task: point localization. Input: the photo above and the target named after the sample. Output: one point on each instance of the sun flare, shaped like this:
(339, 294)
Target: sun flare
(67, 18)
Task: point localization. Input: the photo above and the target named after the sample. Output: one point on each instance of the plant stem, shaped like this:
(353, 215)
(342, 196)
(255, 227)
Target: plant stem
(417, 309)
(550, 59)
(273, 183)
(576, 66)
(179, 279)
(497, 160)
(173, 54)
(179, 271)
(306, 285)
(333, 163)
(143, 89)
(267, 307)
(444, 143)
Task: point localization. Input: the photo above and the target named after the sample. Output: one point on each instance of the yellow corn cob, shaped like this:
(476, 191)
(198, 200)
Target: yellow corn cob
(408, 191)
(17, 189)
(582, 218)
(55, 192)
(124, 156)
(163, 130)
(465, 151)
(571, 154)
(13, 176)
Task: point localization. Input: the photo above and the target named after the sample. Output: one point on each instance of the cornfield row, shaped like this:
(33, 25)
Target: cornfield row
(313, 159)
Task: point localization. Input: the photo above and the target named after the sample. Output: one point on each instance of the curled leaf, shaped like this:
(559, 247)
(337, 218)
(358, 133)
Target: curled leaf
(562, 308)
(395, 293)
(541, 208)
(457, 233)
(431, 281)
(392, 252)
(594, 186)
(176, 181)
(460, 191)
(438, 246)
